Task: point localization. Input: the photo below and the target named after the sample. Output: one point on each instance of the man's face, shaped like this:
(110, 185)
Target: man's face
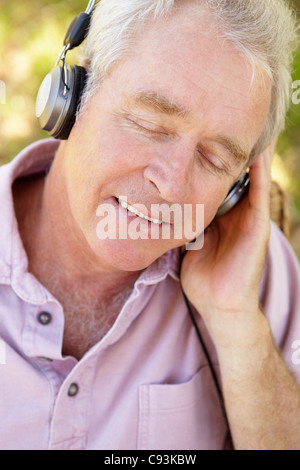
(174, 123)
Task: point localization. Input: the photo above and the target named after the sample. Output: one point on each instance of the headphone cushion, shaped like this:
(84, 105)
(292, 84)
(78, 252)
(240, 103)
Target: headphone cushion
(79, 79)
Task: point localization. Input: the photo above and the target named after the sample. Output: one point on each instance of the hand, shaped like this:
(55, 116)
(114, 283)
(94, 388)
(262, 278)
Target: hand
(222, 279)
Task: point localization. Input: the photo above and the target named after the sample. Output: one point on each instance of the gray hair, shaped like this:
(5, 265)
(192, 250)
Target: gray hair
(264, 31)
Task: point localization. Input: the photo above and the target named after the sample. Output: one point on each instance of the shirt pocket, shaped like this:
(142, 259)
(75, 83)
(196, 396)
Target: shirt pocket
(186, 416)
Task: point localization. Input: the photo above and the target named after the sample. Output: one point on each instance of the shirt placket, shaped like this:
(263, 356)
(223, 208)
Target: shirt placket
(70, 419)
(71, 415)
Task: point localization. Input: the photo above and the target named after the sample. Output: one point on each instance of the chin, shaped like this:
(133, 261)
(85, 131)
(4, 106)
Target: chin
(130, 255)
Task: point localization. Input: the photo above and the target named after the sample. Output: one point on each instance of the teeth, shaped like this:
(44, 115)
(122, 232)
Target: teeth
(139, 214)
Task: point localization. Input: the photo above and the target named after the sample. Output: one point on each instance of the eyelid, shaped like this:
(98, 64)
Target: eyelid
(212, 158)
(206, 160)
(216, 162)
(228, 159)
(147, 126)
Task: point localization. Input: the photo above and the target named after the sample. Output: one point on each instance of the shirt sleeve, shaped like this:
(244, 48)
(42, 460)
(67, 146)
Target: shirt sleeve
(280, 297)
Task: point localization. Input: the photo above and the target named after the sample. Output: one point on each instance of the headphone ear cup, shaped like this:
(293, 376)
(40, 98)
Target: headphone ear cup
(57, 102)
(237, 191)
(79, 80)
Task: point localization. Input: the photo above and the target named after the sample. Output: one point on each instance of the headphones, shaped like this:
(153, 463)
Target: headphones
(59, 94)
(237, 191)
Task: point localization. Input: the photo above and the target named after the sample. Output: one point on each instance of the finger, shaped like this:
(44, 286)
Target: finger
(269, 154)
(260, 181)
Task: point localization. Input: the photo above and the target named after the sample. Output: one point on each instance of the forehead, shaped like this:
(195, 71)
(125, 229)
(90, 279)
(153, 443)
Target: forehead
(180, 58)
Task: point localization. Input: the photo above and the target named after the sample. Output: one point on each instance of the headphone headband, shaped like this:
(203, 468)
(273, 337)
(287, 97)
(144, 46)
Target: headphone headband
(59, 94)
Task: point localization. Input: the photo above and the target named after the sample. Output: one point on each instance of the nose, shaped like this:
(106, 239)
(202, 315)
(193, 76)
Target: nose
(171, 174)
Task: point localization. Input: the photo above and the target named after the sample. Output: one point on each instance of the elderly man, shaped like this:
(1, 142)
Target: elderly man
(100, 352)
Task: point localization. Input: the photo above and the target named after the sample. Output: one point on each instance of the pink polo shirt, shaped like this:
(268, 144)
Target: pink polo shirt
(146, 384)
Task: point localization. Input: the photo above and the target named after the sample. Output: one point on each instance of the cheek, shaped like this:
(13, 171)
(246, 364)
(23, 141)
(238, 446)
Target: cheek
(211, 195)
(119, 154)
(103, 159)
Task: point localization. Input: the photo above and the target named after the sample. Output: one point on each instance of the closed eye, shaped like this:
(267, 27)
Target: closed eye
(212, 163)
(147, 128)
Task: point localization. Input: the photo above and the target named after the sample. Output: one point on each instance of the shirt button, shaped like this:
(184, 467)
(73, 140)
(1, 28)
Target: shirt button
(73, 390)
(45, 318)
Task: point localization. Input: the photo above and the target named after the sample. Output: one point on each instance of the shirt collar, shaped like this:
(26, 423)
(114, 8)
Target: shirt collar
(13, 259)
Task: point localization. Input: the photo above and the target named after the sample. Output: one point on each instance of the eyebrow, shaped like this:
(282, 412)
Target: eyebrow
(239, 152)
(158, 103)
(155, 102)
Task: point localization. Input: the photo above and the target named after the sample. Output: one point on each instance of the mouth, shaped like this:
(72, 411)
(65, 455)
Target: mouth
(137, 213)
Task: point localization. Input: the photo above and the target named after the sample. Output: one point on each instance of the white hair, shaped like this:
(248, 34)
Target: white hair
(264, 31)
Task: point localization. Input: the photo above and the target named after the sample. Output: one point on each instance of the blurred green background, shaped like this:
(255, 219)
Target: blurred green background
(31, 35)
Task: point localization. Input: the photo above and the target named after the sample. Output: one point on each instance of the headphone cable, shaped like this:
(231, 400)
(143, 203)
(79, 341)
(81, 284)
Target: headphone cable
(211, 367)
